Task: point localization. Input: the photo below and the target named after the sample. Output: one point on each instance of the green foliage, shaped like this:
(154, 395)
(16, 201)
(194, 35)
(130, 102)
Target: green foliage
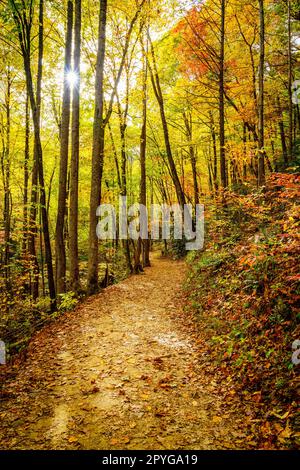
(67, 301)
(177, 249)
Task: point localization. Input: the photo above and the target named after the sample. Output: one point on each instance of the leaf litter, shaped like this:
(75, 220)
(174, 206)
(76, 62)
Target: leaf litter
(121, 371)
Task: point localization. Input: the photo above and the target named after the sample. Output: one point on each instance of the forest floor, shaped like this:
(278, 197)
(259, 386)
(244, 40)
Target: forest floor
(121, 371)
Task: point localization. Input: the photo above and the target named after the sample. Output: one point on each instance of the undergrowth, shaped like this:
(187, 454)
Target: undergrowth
(243, 293)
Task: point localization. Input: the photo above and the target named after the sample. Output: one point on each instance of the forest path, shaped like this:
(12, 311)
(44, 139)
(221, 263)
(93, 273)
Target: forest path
(119, 372)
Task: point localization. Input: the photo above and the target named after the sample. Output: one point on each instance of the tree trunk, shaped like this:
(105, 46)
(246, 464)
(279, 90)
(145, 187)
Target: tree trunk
(143, 244)
(290, 80)
(210, 182)
(244, 152)
(6, 178)
(60, 251)
(97, 153)
(73, 204)
(282, 133)
(298, 115)
(215, 161)
(189, 135)
(33, 229)
(261, 137)
(122, 122)
(143, 148)
(115, 156)
(221, 99)
(26, 177)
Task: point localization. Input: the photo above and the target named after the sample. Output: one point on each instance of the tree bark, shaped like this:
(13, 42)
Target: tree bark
(60, 250)
(73, 211)
(261, 137)
(290, 80)
(26, 177)
(282, 133)
(122, 126)
(215, 160)
(143, 244)
(97, 153)
(143, 149)
(33, 229)
(6, 177)
(221, 99)
(189, 135)
(115, 156)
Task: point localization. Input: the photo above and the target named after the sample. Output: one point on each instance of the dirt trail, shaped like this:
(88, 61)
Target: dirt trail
(117, 373)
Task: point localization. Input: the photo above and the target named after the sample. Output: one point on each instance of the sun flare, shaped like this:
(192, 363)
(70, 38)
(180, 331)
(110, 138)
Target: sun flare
(72, 78)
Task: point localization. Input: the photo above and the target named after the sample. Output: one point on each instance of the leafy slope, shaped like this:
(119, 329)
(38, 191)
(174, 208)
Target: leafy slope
(243, 292)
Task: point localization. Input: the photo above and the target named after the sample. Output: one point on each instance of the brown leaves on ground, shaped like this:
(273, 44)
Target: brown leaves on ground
(121, 371)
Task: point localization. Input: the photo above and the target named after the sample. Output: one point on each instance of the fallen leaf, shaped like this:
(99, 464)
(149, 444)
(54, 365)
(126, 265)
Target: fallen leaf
(285, 434)
(284, 416)
(217, 419)
(144, 396)
(132, 425)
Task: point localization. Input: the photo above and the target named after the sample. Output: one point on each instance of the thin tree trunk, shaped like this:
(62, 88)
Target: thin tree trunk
(42, 254)
(215, 161)
(143, 149)
(115, 156)
(189, 135)
(26, 177)
(282, 133)
(143, 244)
(124, 178)
(6, 178)
(73, 204)
(60, 250)
(97, 153)
(221, 99)
(244, 152)
(33, 230)
(33, 227)
(298, 115)
(261, 137)
(210, 181)
(290, 80)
